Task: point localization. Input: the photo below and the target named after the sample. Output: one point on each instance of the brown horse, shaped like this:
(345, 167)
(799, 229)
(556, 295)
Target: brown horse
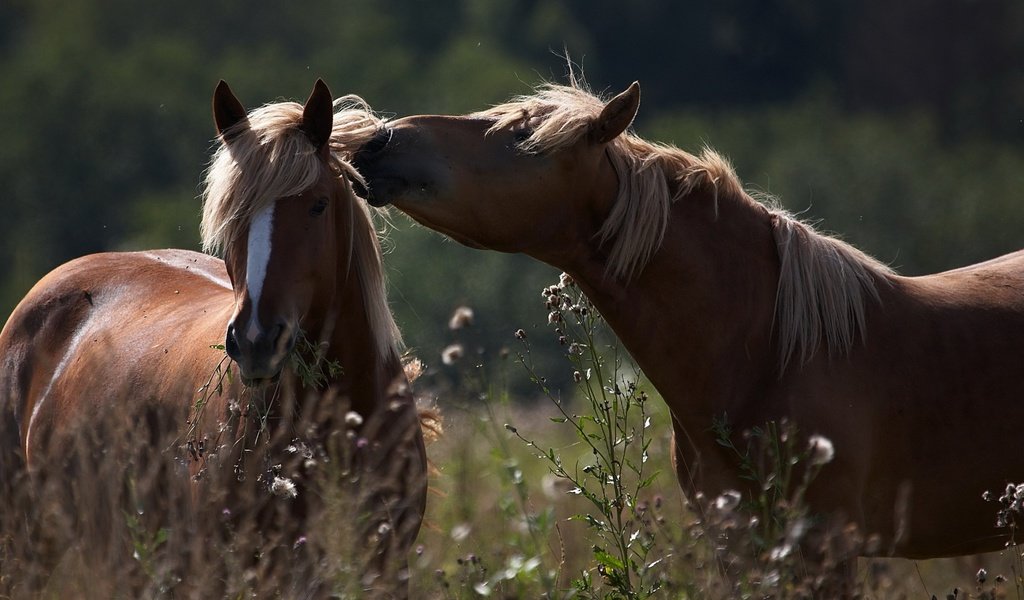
(141, 332)
(734, 308)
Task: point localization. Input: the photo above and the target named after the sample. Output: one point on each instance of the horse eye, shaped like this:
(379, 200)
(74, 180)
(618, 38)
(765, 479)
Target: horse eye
(319, 208)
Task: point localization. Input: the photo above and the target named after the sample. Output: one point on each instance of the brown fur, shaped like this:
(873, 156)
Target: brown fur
(130, 332)
(916, 380)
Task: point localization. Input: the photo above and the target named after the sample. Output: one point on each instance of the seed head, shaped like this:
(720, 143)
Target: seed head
(462, 317)
(822, 450)
(353, 419)
(727, 501)
(452, 354)
(284, 487)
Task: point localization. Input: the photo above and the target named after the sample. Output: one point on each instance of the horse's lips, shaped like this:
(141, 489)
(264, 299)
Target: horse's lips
(383, 189)
(258, 382)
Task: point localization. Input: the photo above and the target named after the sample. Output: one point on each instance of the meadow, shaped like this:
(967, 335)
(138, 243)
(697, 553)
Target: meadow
(897, 124)
(562, 494)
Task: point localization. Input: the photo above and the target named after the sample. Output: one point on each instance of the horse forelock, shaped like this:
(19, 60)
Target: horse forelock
(273, 159)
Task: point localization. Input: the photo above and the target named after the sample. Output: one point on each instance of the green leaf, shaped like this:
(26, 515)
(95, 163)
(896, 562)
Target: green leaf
(608, 560)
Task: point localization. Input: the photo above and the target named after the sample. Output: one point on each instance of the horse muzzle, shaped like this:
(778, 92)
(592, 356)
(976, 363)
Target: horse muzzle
(367, 161)
(260, 354)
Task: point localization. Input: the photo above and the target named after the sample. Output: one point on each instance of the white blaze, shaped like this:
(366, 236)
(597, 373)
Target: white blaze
(260, 231)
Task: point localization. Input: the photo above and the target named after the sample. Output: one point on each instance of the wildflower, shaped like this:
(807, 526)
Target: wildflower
(462, 317)
(301, 541)
(554, 317)
(982, 575)
(520, 334)
(822, 450)
(283, 487)
(577, 376)
(565, 280)
(353, 419)
(452, 354)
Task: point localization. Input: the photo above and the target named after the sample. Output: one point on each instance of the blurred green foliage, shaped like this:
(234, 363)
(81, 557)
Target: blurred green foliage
(898, 125)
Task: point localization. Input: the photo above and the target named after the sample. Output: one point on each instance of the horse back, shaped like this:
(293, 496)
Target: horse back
(80, 327)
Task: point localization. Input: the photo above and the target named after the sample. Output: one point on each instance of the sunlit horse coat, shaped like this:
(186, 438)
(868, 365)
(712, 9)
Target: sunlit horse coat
(143, 335)
(734, 309)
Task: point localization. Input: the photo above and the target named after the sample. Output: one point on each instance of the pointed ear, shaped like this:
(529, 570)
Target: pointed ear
(616, 115)
(227, 112)
(318, 115)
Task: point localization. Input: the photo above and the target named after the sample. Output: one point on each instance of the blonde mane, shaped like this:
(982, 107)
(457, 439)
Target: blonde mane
(824, 283)
(270, 157)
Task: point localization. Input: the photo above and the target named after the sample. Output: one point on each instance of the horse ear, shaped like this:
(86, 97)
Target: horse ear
(227, 112)
(318, 115)
(616, 115)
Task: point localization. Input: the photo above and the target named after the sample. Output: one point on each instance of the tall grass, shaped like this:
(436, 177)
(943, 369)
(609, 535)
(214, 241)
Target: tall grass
(565, 494)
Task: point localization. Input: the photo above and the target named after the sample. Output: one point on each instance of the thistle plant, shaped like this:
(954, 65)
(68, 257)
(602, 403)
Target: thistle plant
(527, 565)
(1009, 515)
(614, 431)
(770, 460)
(768, 541)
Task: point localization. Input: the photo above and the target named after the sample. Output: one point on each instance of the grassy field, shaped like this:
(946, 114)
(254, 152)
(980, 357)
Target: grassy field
(564, 494)
(476, 530)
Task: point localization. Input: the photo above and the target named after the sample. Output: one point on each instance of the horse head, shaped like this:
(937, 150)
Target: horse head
(286, 208)
(523, 177)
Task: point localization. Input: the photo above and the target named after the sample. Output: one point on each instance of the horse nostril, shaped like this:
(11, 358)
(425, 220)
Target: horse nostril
(277, 339)
(231, 344)
(377, 143)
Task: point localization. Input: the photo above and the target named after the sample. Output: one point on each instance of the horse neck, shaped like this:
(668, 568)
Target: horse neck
(370, 375)
(698, 318)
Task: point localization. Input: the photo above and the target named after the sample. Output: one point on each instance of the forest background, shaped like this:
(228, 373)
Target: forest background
(898, 124)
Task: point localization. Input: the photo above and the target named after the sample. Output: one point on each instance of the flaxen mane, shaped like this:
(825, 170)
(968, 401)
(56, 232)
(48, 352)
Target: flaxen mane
(270, 157)
(824, 283)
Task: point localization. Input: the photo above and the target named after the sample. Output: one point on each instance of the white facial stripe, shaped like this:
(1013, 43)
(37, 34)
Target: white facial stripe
(260, 231)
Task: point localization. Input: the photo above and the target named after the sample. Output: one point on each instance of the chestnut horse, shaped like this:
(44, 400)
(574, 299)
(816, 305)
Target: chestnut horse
(733, 308)
(143, 331)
